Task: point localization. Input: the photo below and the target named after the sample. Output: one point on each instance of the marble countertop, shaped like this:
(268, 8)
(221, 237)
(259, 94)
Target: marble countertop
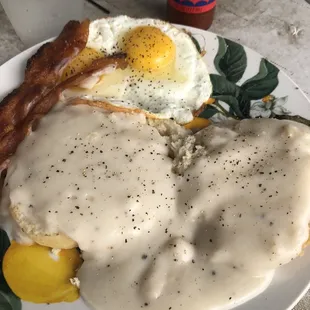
(267, 26)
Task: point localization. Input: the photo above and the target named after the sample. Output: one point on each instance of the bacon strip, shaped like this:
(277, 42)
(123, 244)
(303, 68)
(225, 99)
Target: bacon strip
(42, 74)
(45, 105)
(21, 110)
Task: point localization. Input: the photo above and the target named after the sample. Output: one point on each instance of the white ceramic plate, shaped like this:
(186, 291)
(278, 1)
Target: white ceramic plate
(263, 91)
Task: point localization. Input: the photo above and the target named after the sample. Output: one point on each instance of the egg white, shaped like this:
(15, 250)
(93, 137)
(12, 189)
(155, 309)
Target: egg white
(175, 95)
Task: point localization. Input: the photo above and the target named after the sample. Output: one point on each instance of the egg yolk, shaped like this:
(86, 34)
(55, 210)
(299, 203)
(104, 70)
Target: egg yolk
(80, 62)
(39, 275)
(149, 49)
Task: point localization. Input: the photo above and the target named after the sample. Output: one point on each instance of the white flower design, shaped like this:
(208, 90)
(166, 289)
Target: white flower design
(268, 106)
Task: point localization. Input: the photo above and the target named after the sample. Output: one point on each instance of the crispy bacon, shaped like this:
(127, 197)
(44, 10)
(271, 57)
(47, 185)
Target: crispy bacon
(97, 66)
(42, 74)
(25, 106)
(46, 65)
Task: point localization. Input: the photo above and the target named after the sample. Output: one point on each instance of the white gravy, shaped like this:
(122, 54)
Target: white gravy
(210, 239)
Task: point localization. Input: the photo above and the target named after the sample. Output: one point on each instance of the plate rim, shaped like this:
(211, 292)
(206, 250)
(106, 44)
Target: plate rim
(32, 49)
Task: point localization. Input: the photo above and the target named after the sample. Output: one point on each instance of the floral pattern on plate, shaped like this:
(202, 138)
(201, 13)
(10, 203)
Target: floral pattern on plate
(250, 99)
(236, 94)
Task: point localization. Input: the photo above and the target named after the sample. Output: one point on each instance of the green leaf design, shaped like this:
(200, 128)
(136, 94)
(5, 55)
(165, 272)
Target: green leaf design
(4, 243)
(231, 60)
(195, 41)
(263, 83)
(8, 300)
(233, 105)
(229, 93)
(199, 49)
(221, 86)
(244, 104)
(220, 55)
(208, 112)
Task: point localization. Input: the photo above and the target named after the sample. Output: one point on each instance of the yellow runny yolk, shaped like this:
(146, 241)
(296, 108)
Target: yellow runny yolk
(81, 62)
(40, 275)
(149, 49)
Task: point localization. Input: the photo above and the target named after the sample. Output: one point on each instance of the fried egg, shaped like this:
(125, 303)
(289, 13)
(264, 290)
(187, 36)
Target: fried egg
(165, 77)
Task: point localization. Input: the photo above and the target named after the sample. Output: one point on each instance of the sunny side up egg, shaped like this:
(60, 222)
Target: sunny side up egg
(166, 76)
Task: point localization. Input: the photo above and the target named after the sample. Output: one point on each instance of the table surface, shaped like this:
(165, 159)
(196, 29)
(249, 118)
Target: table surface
(263, 25)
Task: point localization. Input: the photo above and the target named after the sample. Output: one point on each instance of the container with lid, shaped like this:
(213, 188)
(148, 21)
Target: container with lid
(194, 13)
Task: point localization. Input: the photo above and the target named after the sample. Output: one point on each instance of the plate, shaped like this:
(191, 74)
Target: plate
(246, 85)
